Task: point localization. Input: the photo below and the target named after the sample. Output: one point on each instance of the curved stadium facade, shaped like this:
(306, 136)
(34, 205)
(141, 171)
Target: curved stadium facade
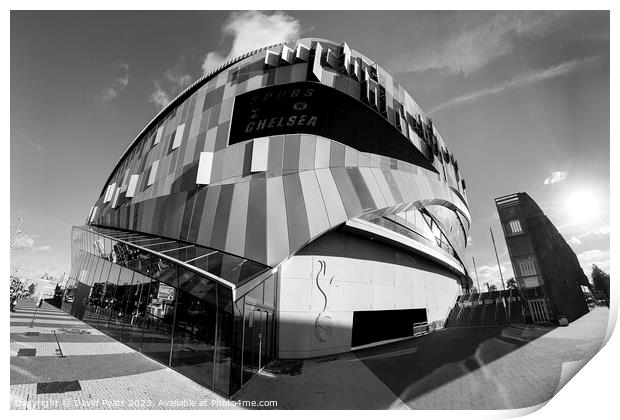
(295, 202)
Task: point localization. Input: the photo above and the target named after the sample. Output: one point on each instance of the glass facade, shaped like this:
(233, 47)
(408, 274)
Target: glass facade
(177, 316)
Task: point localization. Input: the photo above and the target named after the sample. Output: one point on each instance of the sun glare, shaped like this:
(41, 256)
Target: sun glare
(582, 206)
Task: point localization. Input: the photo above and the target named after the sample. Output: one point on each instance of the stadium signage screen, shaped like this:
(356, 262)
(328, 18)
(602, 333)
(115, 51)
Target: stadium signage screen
(286, 107)
(312, 108)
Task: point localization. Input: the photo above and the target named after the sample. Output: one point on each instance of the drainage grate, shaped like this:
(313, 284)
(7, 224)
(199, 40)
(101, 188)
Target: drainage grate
(32, 333)
(27, 352)
(58, 387)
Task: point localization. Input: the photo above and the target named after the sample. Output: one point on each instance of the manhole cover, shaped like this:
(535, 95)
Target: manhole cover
(26, 352)
(58, 387)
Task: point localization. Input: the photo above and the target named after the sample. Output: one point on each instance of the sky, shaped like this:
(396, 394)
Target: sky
(521, 98)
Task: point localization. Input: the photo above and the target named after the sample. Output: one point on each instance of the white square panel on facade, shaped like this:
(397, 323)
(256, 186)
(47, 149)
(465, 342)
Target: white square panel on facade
(288, 55)
(260, 153)
(272, 59)
(178, 136)
(317, 68)
(302, 53)
(205, 165)
(133, 184)
(94, 213)
(152, 174)
(160, 131)
(109, 192)
(346, 52)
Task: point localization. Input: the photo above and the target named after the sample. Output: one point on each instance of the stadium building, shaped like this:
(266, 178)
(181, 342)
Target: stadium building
(295, 202)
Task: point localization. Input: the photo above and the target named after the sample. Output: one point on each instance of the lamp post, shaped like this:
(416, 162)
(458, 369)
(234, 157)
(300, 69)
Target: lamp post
(476, 270)
(499, 267)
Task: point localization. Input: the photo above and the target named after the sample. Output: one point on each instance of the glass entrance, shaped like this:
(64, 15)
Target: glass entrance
(257, 347)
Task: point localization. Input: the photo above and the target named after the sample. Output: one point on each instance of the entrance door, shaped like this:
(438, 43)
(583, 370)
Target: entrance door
(539, 310)
(257, 338)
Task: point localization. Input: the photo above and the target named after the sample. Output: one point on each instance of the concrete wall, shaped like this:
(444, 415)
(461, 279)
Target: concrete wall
(340, 273)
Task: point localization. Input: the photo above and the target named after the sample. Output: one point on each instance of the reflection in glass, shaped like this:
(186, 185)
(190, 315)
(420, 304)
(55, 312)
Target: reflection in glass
(102, 296)
(159, 316)
(194, 333)
(136, 309)
(90, 314)
(118, 315)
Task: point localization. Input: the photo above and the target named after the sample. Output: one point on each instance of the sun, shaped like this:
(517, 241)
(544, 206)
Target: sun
(582, 206)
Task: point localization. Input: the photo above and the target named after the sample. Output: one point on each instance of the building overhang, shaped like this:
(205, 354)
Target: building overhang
(376, 232)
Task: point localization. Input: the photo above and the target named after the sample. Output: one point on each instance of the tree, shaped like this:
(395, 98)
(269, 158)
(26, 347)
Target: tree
(492, 288)
(31, 289)
(17, 288)
(600, 279)
(511, 283)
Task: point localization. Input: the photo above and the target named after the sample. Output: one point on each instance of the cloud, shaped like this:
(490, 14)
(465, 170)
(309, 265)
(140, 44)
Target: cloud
(555, 177)
(480, 41)
(118, 84)
(574, 241)
(35, 268)
(252, 30)
(597, 231)
(600, 230)
(594, 256)
(522, 80)
(23, 241)
(38, 147)
(108, 94)
(26, 242)
(20, 135)
(173, 81)
(490, 274)
(159, 96)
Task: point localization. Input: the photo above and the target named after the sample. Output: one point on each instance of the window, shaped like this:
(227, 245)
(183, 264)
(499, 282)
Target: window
(514, 227)
(526, 266)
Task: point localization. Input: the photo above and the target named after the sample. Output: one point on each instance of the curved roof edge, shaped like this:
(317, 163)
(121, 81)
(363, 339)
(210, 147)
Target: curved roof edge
(197, 84)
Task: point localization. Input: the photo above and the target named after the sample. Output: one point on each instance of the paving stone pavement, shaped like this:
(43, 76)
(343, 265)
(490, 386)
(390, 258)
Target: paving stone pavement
(456, 368)
(110, 374)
